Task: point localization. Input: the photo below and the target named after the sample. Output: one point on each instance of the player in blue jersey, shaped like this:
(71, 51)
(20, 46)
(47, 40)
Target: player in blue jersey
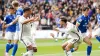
(83, 25)
(19, 12)
(10, 32)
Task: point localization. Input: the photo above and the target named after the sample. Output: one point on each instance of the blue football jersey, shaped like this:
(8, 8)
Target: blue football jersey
(8, 19)
(19, 12)
(83, 21)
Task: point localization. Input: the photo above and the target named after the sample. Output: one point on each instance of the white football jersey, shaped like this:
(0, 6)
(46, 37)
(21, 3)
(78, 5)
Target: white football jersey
(25, 29)
(70, 29)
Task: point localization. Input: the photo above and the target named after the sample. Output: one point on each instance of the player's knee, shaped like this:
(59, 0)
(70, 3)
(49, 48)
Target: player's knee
(30, 47)
(63, 46)
(15, 41)
(90, 43)
(34, 49)
(9, 41)
(67, 48)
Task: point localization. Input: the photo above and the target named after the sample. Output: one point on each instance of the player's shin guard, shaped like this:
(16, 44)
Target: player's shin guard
(7, 47)
(89, 49)
(14, 49)
(98, 38)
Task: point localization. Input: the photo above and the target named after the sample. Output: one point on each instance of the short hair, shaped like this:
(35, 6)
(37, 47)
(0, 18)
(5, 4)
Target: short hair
(15, 3)
(98, 7)
(85, 8)
(26, 9)
(64, 19)
(10, 7)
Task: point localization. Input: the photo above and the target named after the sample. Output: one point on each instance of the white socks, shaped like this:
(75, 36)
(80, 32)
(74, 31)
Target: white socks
(29, 53)
(68, 53)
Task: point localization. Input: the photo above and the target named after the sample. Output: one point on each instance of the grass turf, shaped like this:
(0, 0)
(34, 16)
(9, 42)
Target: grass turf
(48, 47)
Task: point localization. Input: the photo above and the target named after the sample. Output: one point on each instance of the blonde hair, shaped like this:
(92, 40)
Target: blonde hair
(15, 3)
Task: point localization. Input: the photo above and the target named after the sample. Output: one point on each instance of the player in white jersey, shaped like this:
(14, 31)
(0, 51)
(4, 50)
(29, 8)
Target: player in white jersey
(25, 32)
(72, 31)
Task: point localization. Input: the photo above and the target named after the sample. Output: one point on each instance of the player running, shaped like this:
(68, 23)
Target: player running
(75, 36)
(83, 25)
(10, 32)
(25, 32)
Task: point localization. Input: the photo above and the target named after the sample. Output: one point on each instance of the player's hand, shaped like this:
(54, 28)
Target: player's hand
(55, 29)
(51, 34)
(3, 35)
(36, 19)
(32, 18)
(7, 25)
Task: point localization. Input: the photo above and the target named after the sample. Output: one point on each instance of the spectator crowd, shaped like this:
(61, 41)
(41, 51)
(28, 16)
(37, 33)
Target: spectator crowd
(50, 11)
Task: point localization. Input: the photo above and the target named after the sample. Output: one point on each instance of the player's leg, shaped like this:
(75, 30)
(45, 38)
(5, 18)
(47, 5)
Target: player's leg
(64, 45)
(74, 49)
(97, 34)
(29, 46)
(98, 38)
(68, 48)
(15, 45)
(8, 36)
(89, 47)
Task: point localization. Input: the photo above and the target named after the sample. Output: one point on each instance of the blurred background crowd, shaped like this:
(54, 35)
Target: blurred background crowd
(50, 11)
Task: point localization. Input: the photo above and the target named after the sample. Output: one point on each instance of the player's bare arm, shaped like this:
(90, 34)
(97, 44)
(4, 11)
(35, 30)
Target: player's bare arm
(90, 30)
(13, 22)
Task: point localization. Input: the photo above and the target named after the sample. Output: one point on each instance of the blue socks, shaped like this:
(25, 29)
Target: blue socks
(89, 48)
(11, 46)
(7, 47)
(98, 38)
(15, 47)
(72, 50)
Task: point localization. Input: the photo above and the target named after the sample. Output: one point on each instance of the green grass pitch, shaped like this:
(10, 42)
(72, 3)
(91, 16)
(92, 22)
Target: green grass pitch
(48, 47)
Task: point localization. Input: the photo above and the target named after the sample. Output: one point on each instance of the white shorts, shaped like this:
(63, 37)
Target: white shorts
(75, 40)
(10, 36)
(27, 41)
(96, 32)
(84, 35)
(17, 35)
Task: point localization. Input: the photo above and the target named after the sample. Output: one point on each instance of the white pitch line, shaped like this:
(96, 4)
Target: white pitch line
(63, 53)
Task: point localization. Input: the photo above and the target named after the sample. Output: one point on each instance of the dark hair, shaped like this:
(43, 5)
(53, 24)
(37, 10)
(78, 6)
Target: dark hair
(64, 19)
(98, 7)
(1, 17)
(10, 7)
(26, 9)
(85, 8)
